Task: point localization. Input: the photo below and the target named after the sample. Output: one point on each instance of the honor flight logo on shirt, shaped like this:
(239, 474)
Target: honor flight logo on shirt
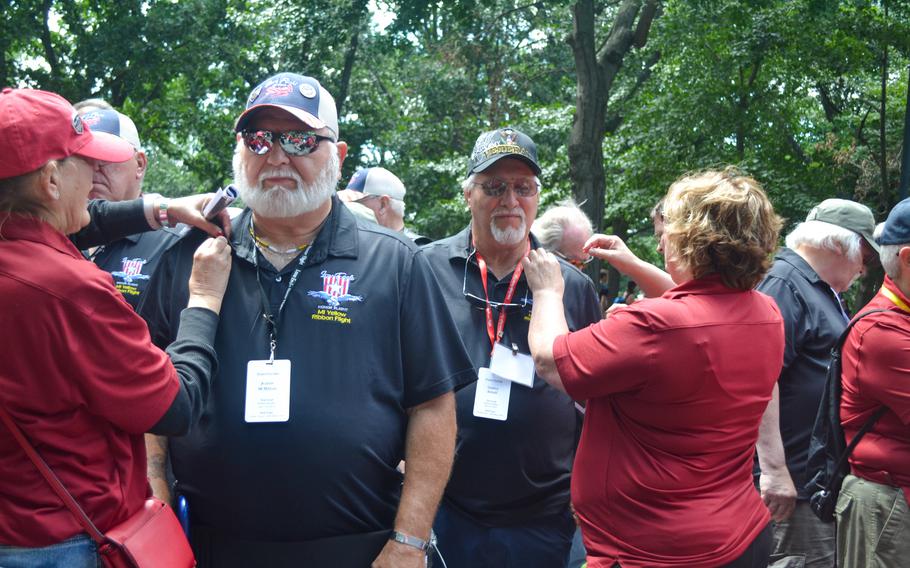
(126, 279)
(334, 293)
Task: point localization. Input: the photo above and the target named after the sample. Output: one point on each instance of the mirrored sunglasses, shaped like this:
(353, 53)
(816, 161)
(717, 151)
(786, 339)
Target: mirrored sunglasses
(293, 142)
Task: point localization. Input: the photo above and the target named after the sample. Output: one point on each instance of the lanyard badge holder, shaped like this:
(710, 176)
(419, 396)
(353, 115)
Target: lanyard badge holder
(268, 382)
(507, 365)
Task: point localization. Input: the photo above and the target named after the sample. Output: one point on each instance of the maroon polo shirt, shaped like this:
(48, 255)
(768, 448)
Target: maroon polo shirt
(876, 373)
(81, 378)
(676, 388)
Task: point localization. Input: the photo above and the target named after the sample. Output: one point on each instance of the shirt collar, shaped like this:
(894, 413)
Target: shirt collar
(707, 284)
(890, 285)
(460, 246)
(18, 227)
(338, 237)
(793, 258)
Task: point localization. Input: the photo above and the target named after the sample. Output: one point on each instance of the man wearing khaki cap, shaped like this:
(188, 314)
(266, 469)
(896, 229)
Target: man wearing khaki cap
(824, 256)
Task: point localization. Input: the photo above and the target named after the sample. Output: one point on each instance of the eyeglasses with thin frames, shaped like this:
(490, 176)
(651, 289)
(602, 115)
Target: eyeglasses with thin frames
(482, 303)
(495, 187)
(579, 264)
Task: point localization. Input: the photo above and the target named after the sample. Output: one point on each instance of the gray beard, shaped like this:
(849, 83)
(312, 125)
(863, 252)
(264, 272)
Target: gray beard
(279, 202)
(509, 236)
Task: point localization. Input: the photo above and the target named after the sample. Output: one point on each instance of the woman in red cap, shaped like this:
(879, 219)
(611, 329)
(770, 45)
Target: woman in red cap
(79, 375)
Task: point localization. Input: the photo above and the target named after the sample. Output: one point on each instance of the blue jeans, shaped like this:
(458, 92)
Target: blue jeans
(541, 543)
(76, 552)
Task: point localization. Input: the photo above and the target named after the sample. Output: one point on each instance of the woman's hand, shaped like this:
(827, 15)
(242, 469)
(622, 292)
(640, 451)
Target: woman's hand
(612, 249)
(211, 270)
(188, 210)
(543, 272)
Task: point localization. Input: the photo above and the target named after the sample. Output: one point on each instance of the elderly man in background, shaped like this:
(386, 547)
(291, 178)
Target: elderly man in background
(873, 519)
(823, 257)
(382, 192)
(130, 260)
(294, 463)
(563, 230)
(507, 503)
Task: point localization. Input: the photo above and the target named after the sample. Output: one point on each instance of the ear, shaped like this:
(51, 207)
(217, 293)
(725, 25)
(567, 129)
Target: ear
(342, 154)
(48, 182)
(384, 202)
(904, 255)
(143, 162)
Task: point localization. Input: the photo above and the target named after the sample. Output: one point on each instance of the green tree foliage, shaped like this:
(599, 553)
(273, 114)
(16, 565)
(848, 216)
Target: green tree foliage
(806, 95)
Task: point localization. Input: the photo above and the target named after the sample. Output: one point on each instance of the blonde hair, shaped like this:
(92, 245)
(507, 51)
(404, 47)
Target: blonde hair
(721, 222)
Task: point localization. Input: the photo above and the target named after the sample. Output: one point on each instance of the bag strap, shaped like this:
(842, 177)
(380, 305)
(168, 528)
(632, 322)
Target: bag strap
(836, 353)
(52, 478)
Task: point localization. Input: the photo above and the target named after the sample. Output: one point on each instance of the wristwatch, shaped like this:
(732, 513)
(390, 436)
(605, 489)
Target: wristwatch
(409, 540)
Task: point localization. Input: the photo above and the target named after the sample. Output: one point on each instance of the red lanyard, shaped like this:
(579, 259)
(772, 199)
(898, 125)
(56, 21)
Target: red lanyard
(501, 324)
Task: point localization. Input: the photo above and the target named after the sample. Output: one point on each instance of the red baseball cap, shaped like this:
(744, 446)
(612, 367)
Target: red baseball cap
(37, 127)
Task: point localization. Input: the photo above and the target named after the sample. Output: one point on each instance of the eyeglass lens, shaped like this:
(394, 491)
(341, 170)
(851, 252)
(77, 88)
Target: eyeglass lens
(496, 187)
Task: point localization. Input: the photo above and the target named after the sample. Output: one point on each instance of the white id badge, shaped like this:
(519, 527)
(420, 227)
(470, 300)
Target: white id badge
(268, 391)
(509, 364)
(491, 396)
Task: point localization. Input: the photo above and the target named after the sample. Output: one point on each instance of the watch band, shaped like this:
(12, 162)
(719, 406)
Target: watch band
(162, 212)
(409, 540)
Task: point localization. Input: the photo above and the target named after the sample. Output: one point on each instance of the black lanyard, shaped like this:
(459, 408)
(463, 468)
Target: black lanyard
(273, 322)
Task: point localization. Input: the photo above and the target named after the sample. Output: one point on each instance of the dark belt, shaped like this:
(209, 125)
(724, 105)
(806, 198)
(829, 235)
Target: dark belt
(219, 550)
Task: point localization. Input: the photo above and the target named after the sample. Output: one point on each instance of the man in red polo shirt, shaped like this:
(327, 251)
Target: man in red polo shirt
(872, 511)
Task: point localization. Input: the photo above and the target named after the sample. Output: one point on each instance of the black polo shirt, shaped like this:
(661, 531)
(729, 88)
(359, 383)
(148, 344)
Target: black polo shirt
(517, 470)
(132, 260)
(367, 339)
(813, 320)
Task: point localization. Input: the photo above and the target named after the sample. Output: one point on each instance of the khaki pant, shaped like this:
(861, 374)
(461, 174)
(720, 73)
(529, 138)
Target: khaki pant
(873, 525)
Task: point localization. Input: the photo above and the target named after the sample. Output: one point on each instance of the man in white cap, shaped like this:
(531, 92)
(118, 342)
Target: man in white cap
(382, 192)
(131, 260)
(294, 462)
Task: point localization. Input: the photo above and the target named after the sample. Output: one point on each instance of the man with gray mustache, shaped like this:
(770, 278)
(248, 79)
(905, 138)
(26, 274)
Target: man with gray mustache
(294, 460)
(507, 503)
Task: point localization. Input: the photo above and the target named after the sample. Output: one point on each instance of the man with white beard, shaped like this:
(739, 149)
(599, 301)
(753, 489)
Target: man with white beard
(323, 384)
(507, 503)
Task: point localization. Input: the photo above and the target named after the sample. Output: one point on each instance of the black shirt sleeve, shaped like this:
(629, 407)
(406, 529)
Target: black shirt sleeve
(110, 221)
(193, 355)
(435, 359)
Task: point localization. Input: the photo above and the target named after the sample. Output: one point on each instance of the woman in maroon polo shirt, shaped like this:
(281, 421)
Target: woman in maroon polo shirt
(78, 372)
(675, 387)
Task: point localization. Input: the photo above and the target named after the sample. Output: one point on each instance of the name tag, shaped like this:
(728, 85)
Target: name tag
(512, 365)
(491, 396)
(268, 391)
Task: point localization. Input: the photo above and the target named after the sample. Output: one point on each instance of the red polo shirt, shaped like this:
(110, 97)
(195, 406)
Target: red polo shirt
(875, 373)
(81, 378)
(676, 388)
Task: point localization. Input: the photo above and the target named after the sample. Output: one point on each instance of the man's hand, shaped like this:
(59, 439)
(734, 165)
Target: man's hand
(188, 210)
(778, 493)
(397, 555)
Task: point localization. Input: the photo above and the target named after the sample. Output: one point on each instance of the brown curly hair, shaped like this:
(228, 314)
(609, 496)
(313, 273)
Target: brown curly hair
(721, 222)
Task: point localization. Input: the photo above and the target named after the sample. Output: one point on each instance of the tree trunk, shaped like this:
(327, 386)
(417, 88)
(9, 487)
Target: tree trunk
(358, 13)
(596, 70)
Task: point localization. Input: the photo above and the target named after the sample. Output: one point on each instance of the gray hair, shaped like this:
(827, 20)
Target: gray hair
(550, 227)
(93, 104)
(890, 261)
(397, 206)
(818, 234)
